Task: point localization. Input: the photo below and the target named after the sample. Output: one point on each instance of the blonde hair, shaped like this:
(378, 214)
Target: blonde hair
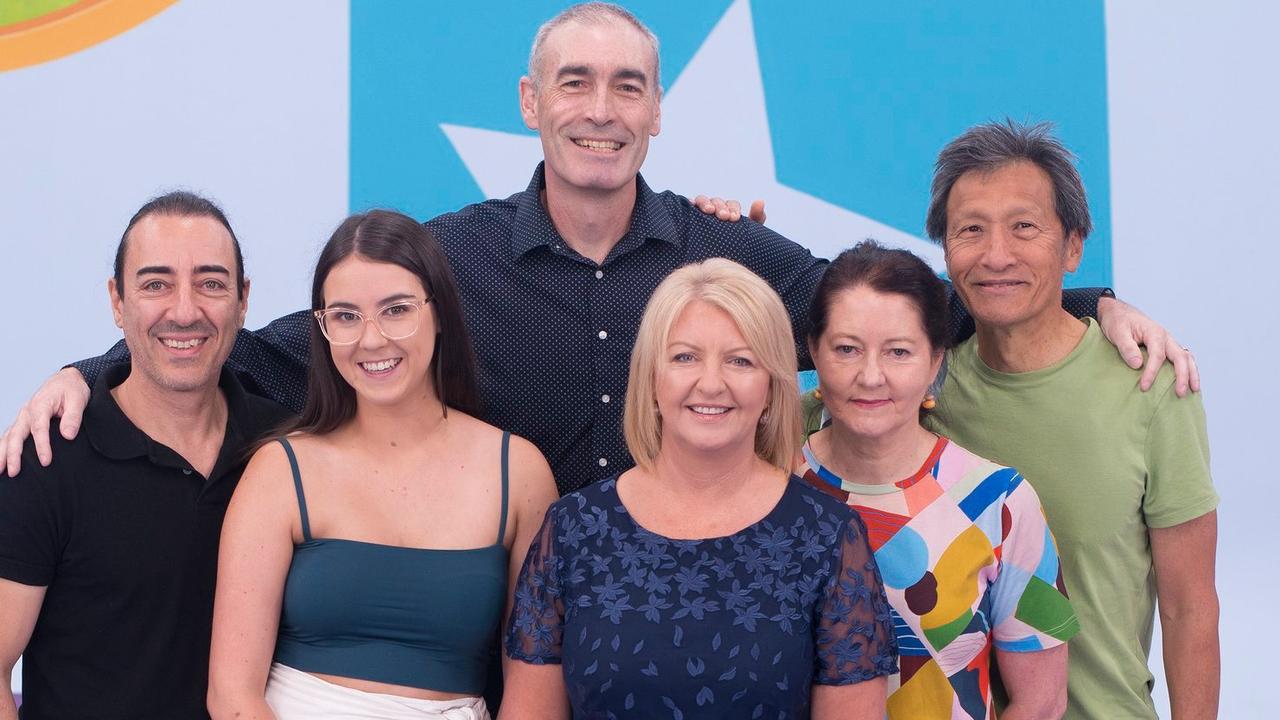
(761, 318)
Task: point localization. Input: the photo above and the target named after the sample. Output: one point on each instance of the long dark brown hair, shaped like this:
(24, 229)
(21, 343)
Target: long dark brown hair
(389, 237)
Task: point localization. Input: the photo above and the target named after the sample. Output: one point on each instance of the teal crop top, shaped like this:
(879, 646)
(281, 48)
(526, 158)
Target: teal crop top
(407, 616)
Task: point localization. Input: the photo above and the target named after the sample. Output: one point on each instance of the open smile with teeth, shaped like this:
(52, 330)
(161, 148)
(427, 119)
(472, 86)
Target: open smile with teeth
(380, 365)
(708, 410)
(598, 145)
(182, 344)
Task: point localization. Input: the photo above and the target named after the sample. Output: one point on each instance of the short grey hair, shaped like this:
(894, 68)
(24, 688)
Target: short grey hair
(590, 13)
(990, 146)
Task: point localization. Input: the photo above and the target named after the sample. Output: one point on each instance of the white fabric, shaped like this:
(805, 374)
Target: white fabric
(296, 695)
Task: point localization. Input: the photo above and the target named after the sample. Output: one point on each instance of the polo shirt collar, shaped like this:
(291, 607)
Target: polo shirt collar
(650, 220)
(114, 435)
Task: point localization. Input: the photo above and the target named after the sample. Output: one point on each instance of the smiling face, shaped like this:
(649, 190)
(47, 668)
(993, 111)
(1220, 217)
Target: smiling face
(594, 105)
(1005, 248)
(382, 371)
(177, 303)
(874, 362)
(711, 389)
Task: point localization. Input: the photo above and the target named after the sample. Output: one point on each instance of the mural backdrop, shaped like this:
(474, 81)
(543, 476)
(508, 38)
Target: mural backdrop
(294, 113)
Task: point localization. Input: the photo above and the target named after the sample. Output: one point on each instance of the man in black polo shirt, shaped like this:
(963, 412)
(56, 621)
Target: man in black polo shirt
(108, 557)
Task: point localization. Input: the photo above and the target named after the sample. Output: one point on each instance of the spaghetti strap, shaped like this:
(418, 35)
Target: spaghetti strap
(506, 452)
(297, 485)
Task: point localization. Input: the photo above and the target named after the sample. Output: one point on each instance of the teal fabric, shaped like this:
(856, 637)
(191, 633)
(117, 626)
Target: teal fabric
(417, 617)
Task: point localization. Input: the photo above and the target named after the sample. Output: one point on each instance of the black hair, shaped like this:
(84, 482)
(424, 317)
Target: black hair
(389, 237)
(179, 203)
(885, 270)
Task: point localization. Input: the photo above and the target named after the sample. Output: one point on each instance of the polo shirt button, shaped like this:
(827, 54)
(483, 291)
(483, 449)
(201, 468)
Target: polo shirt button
(602, 334)
(604, 398)
(602, 462)
(186, 471)
(599, 274)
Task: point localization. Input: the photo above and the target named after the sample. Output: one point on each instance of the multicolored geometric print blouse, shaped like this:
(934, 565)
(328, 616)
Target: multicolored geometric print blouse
(968, 564)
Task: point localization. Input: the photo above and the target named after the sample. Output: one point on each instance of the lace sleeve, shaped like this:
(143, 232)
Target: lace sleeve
(854, 633)
(536, 625)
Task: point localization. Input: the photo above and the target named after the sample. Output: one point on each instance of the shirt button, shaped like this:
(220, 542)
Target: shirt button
(604, 398)
(186, 471)
(599, 274)
(602, 334)
(602, 462)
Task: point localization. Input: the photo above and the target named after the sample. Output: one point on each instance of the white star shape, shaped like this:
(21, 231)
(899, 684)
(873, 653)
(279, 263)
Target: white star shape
(714, 140)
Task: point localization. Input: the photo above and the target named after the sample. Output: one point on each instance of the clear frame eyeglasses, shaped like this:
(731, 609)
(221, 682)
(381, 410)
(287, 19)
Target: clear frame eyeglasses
(397, 321)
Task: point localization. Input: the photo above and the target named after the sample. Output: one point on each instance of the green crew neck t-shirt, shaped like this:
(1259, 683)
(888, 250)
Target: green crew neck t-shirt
(1108, 462)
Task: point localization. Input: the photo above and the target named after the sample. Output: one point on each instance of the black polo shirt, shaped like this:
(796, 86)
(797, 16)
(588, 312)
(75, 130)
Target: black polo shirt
(124, 534)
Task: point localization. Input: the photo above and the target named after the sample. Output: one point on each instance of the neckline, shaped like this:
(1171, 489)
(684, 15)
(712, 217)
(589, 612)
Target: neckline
(1092, 335)
(831, 478)
(792, 484)
(398, 548)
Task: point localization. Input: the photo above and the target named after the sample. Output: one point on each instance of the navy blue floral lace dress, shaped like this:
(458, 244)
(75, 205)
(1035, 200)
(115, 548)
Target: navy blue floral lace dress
(733, 627)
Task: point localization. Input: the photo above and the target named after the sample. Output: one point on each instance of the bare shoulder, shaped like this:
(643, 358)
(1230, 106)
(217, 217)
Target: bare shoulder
(529, 469)
(270, 471)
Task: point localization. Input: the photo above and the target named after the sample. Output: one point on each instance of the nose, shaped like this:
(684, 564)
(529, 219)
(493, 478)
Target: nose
(601, 109)
(998, 251)
(711, 379)
(871, 374)
(370, 335)
(185, 311)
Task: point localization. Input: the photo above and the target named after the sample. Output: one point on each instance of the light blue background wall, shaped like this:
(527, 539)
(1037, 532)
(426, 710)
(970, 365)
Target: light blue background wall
(293, 112)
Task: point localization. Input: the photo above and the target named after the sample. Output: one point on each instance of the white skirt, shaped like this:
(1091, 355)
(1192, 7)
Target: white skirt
(296, 695)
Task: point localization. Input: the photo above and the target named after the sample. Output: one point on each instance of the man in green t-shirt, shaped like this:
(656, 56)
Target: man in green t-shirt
(1123, 475)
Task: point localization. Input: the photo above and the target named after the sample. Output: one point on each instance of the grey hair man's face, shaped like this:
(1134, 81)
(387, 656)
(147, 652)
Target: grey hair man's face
(1006, 251)
(595, 104)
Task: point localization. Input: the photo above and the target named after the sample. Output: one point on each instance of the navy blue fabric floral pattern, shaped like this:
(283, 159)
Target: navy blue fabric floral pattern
(739, 626)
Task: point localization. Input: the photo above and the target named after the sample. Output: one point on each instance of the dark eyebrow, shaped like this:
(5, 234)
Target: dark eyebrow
(572, 70)
(395, 298)
(388, 300)
(632, 74)
(155, 270)
(203, 269)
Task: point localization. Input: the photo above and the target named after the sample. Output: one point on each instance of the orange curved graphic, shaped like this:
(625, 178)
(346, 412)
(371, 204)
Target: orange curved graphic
(70, 29)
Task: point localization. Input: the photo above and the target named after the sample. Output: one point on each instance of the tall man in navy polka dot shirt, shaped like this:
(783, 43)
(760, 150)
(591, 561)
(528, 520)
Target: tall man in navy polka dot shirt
(554, 279)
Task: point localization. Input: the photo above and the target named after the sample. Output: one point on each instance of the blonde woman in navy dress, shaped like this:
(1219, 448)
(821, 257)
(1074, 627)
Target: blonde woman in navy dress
(707, 582)
(366, 555)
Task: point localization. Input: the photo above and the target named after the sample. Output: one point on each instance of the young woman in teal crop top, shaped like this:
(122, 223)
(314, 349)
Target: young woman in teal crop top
(367, 556)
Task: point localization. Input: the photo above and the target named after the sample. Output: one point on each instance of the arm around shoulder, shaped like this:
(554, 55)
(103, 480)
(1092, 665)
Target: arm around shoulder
(253, 562)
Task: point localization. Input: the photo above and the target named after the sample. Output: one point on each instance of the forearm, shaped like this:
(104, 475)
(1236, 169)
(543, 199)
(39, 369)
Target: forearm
(1192, 663)
(8, 708)
(238, 704)
(1033, 710)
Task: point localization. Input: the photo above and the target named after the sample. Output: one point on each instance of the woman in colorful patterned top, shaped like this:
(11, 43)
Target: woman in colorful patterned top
(968, 561)
(707, 582)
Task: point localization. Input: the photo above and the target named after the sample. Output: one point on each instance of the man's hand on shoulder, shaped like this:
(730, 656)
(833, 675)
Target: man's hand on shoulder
(64, 395)
(730, 210)
(1127, 327)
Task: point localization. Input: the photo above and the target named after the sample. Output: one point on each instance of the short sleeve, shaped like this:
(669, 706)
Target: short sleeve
(30, 539)
(536, 626)
(1029, 606)
(1179, 486)
(854, 633)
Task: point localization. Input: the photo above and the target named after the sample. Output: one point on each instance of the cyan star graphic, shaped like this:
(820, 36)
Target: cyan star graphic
(715, 140)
